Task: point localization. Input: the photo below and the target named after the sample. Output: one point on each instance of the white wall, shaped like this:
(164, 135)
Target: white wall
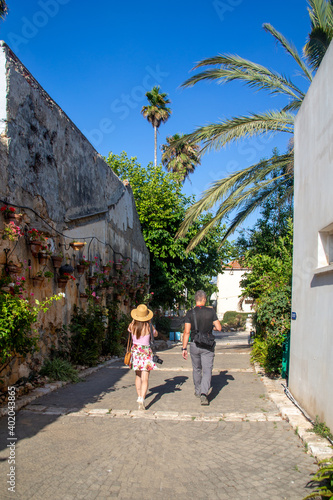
(311, 357)
(229, 292)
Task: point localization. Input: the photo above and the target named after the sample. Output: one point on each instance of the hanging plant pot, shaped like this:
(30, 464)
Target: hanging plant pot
(66, 269)
(43, 257)
(80, 269)
(118, 266)
(35, 247)
(56, 261)
(62, 282)
(83, 297)
(38, 281)
(14, 269)
(97, 300)
(106, 270)
(14, 217)
(77, 245)
(92, 280)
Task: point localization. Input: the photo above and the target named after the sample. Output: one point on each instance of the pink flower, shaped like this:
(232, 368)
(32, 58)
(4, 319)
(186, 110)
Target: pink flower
(94, 294)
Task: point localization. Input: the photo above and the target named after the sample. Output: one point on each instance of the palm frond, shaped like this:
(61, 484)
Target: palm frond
(290, 48)
(321, 16)
(235, 189)
(233, 67)
(217, 135)
(3, 9)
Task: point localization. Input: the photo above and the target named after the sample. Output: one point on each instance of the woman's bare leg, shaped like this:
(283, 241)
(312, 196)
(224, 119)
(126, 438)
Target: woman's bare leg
(144, 383)
(138, 382)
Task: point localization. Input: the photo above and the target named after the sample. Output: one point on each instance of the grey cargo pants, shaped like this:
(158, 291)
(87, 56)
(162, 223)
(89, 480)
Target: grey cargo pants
(202, 363)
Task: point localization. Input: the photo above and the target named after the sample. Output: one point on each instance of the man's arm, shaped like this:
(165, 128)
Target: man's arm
(186, 336)
(217, 325)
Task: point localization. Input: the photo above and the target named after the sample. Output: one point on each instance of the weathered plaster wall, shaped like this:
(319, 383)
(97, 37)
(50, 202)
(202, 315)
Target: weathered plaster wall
(311, 356)
(64, 188)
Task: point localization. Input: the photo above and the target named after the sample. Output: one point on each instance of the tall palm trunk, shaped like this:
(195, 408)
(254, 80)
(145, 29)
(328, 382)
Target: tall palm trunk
(155, 145)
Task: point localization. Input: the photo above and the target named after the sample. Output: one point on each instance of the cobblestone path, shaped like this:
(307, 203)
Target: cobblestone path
(88, 441)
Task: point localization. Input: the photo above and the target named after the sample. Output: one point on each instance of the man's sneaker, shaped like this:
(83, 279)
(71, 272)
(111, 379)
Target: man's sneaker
(203, 400)
(197, 394)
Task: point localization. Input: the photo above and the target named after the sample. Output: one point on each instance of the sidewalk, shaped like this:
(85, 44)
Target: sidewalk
(88, 440)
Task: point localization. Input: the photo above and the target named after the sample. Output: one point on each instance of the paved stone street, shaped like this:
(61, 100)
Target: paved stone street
(87, 440)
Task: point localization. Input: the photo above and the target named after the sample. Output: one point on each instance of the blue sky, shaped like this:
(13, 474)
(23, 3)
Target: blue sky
(97, 60)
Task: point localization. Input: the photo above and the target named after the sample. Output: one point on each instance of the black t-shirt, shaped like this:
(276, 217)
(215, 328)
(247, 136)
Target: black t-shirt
(205, 318)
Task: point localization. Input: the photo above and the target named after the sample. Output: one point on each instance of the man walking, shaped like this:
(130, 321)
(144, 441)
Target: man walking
(200, 321)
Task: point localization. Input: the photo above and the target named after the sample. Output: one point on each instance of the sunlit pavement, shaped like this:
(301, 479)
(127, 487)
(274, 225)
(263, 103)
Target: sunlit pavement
(88, 440)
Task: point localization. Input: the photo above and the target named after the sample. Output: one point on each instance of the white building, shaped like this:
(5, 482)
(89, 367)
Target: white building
(311, 347)
(229, 290)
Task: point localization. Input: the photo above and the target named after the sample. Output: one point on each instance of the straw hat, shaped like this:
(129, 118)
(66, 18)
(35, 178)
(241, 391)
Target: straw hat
(142, 313)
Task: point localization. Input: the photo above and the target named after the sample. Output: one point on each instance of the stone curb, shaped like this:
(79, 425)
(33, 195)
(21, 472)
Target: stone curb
(317, 446)
(52, 386)
(155, 415)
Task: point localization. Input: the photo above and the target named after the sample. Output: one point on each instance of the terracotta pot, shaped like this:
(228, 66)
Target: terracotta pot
(35, 247)
(38, 280)
(97, 300)
(62, 282)
(77, 245)
(106, 269)
(80, 268)
(43, 257)
(14, 269)
(118, 266)
(83, 297)
(14, 217)
(56, 261)
(92, 280)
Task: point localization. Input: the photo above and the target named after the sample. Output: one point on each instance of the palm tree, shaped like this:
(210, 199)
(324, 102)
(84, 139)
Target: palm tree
(180, 157)
(247, 189)
(156, 112)
(321, 16)
(3, 9)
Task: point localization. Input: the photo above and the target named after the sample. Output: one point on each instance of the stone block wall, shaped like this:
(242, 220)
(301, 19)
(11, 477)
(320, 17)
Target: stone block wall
(65, 189)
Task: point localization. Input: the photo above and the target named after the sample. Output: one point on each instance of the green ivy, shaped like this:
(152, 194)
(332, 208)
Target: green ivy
(17, 316)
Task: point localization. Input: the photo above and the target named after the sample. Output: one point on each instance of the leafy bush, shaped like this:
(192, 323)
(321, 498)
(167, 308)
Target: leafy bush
(87, 330)
(323, 479)
(59, 369)
(116, 334)
(17, 316)
(234, 319)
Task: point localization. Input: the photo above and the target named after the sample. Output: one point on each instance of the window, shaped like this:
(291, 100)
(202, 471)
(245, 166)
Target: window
(325, 247)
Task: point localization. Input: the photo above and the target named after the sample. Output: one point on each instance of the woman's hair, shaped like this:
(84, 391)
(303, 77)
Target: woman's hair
(138, 328)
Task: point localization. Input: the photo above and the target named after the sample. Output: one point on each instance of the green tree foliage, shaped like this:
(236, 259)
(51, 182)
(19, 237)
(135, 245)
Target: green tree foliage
(244, 191)
(161, 207)
(269, 255)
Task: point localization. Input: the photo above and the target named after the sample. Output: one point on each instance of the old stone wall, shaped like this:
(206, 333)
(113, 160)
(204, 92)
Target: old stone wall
(62, 187)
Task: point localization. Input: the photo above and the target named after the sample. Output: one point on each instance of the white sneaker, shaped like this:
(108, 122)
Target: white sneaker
(140, 399)
(141, 405)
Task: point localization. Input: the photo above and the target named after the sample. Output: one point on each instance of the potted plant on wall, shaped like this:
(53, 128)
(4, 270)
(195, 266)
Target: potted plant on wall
(10, 213)
(36, 239)
(11, 231)
(43, 255)
(57, 259)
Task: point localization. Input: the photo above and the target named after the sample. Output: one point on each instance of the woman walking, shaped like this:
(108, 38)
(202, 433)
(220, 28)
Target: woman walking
(142, 355)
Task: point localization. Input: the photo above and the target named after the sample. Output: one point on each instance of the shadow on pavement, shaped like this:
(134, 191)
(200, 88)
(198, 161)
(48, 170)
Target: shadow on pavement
(170, 385)
(218, 382)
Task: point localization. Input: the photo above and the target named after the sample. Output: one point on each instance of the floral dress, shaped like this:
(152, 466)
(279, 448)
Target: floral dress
(142, 355)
